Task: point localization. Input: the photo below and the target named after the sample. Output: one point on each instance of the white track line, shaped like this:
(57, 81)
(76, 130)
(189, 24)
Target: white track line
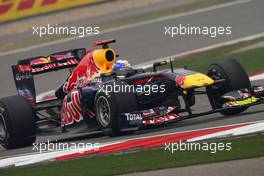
(257, 77)
(249, 129)
(128, 26)
(49, 156)
(157, 135)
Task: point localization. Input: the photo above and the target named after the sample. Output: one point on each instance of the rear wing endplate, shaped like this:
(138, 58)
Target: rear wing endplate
(25, 69)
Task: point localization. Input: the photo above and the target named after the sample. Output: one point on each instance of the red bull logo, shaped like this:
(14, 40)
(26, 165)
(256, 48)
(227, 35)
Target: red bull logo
(43, 60)
(93, 63)
(71, 111)
(84, 72)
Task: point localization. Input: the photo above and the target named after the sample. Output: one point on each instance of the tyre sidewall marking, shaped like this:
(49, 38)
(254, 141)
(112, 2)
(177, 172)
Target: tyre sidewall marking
(107, 101)
(2, 111)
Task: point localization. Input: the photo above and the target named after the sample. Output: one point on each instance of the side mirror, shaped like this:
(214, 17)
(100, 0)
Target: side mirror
(158, 64)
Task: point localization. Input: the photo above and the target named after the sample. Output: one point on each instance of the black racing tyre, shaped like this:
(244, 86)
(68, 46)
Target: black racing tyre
(236, 78)
(109, 105)
(17, 123)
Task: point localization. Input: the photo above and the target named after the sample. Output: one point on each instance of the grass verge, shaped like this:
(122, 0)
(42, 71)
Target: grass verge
(252, 59)
(117, 23)
(242, 147)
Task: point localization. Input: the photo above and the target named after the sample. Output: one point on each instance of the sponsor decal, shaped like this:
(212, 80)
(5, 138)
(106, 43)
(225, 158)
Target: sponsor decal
(26, 4)
(25, 92)
(71, 110)
(50, 66)
(64, 56)
(133, 116)
(22, 77)
(259, 89)
(163, 119)
(85, 71)
(15, 9)
(180, 80)
(24, 68)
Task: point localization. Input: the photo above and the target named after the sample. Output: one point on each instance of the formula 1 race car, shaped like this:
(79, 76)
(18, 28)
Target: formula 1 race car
(108, 94)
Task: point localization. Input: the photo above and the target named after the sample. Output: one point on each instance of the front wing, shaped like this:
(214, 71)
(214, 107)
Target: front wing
(164, 115)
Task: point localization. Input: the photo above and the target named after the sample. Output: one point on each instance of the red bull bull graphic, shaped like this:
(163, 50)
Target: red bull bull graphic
(94, 63)
(85, 71)
(71, 110)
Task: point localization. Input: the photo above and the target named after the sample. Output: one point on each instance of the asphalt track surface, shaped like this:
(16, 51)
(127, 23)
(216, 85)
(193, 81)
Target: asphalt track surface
(147, 42)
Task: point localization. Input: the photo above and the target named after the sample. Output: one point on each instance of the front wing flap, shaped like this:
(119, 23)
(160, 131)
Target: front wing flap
(244, 97)
(155, 116)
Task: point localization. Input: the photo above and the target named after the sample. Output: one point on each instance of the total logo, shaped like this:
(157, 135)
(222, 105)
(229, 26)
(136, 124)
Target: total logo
(133, 116)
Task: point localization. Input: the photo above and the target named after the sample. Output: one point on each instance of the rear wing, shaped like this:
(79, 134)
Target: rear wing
(25, 69)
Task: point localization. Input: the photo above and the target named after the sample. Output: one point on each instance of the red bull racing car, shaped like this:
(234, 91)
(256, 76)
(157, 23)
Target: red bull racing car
(104, 93)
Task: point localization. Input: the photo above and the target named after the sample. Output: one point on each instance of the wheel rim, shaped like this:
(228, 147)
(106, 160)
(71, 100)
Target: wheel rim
(103, 111)
(3, 132)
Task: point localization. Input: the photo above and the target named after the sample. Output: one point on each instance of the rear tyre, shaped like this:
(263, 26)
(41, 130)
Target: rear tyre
(109, 105)
(17, 123)
(236, 78)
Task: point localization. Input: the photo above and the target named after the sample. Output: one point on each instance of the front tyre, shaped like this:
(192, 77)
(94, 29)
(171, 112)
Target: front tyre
(17, 123)
(236, 79)
(109, 106)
